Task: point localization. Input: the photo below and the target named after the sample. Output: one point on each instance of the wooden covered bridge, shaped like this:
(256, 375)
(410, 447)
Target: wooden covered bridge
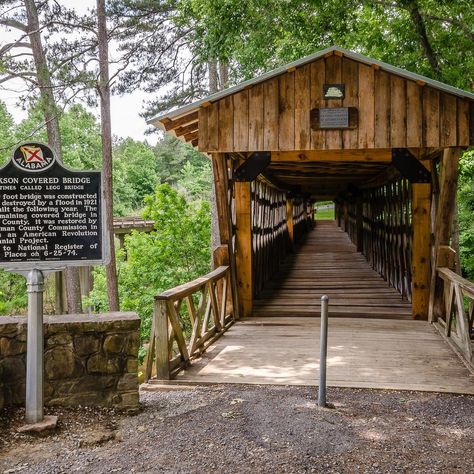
(383, 144)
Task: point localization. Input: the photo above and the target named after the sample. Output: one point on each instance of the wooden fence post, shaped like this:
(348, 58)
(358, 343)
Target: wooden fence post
(160, 316)
(444, 219)
(243, 200)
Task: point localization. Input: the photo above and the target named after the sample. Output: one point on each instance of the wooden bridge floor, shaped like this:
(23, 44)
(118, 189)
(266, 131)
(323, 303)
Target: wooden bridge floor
(362, 353)
(328, 263)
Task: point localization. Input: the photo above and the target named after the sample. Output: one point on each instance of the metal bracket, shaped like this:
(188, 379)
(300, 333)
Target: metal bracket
(409, 166)
(253, 166)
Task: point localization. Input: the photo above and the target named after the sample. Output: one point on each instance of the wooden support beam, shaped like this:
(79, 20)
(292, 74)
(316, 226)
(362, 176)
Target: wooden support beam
(221, 189)
(444, 220)
(289, 219)
(359, 224)
(244, 248)
(421, 270)
(374, 155)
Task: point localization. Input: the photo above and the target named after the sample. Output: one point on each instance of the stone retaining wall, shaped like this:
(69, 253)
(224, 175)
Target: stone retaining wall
(88, 359)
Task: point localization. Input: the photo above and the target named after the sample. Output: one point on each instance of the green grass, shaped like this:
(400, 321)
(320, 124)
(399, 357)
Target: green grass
(325, 214)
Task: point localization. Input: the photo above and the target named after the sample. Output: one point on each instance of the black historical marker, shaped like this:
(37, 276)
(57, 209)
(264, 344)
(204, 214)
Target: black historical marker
(50, 217)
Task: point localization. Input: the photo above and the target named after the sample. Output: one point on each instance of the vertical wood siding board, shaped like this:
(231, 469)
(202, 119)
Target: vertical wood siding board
(382, 109)
(366, 106)
(398, 112)
(431, 117)
(471, 123)
(333, 76)
(286, 111)
(463, 122)
(302, 107)
(241, 121)
(414, 115)
(203, 143)
(317, 82)
(226, 124)
(270, 97)
(213, 126)
(256, 118)
(350, 77)
(448, 114)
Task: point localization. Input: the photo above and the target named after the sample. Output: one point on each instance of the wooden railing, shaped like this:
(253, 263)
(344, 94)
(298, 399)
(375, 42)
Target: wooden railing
(457, 315)
(181, 332)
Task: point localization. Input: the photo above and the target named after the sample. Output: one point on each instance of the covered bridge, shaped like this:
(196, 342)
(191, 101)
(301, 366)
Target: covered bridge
(382, 143)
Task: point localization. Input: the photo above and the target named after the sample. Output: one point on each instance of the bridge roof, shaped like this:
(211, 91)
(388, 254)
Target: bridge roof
(182, 119)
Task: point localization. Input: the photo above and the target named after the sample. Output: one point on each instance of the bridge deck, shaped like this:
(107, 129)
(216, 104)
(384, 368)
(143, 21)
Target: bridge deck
(328, 263)
(363, 353)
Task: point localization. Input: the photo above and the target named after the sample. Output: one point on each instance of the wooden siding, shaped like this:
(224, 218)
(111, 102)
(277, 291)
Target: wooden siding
(393, 112)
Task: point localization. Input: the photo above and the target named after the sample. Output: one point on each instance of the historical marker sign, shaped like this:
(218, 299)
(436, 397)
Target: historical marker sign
(50, 217)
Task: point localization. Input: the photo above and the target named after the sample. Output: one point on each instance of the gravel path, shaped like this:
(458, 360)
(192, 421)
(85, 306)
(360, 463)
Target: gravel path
(253, 429)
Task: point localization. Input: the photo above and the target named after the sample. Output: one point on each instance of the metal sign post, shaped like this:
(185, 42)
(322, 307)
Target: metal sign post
(51, 218)
(34, 354)
(323, 351)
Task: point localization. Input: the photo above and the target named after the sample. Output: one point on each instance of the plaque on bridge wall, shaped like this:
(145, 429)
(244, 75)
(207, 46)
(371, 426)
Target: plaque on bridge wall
(50, 216)
(333, 91)
(334, 118)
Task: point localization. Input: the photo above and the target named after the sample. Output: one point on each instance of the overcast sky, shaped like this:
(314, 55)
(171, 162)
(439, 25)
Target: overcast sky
(126, 121)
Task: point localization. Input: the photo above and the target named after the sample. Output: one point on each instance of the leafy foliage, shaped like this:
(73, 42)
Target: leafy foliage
(177, 251)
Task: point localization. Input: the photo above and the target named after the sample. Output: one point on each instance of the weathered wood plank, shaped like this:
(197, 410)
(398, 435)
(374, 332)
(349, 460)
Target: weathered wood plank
(350, 77)
(366, 106)
(213, 126)
(448, 115)
(398, 112)
(203, 143)
(241, 121)
(414, 115)
(256, 118)
(286, 109)
(318, 75)
(302, 107)
(431, 117)
(463, 122)
(270, 118)
(226, 124)
(382, 109)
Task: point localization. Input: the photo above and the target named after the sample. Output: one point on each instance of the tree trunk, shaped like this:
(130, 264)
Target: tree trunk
(50, 112)
(455, 238)
(105, 120)
(420, 28)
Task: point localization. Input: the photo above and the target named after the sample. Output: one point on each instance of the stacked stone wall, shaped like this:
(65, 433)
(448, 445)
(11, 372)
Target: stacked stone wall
(88, 360)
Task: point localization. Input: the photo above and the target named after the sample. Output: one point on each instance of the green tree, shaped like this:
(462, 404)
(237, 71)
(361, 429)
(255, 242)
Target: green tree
(175, 252)
(7, 137)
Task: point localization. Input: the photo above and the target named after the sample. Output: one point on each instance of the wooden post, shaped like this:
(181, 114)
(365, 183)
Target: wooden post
(289, 220)
(221, 188)
(444, 219)
(59, 306)
(160, 316)
(359, 224)
(346, 216)
(244, 247)
(421, 271)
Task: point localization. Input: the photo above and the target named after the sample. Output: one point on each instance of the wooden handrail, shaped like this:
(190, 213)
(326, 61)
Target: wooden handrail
(458, 317)
(171, 347)
(193, 286)
(448, 275)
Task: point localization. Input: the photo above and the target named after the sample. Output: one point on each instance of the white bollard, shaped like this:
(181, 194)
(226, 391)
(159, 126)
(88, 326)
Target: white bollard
(34, 354)
(323, 351)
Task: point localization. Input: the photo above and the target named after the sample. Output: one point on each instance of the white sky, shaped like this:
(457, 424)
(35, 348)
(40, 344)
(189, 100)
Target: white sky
(126, 121)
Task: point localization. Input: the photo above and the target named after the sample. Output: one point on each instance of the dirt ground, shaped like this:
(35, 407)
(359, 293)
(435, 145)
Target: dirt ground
(253, 429)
